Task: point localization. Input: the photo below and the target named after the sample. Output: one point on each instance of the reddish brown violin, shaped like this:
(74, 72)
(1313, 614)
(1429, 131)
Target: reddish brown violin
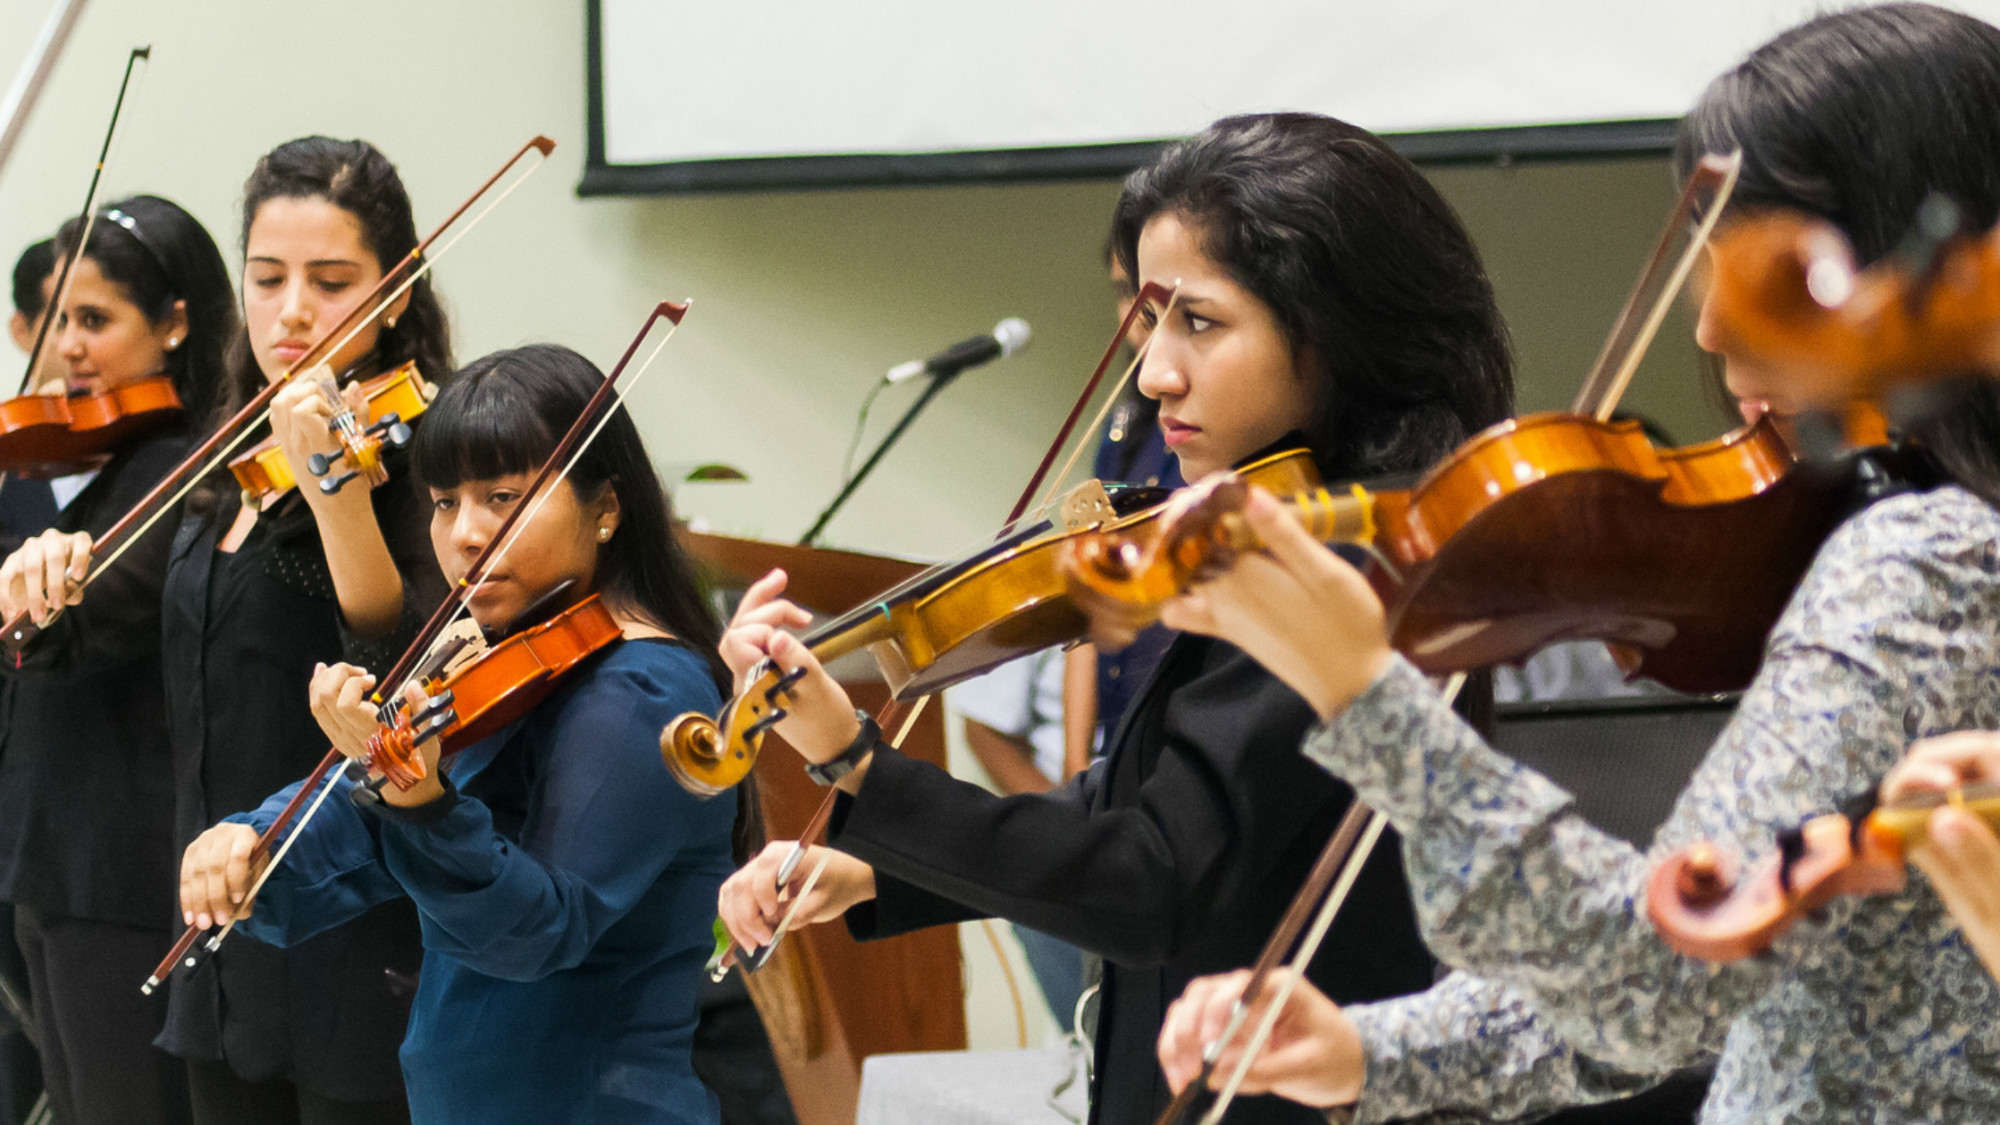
(1701, 908)
(56, 435)
(467, 702)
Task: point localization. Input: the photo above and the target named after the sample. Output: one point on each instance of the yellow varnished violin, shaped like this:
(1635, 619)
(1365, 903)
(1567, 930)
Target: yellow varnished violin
(394, 400)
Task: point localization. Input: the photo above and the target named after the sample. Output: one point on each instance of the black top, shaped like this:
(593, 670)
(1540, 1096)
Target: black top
(242, 632)
(27, 507)
(86, 793)
(1174, 857)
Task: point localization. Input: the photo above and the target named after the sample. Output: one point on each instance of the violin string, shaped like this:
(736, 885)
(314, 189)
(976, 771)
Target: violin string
(1307, 948)
(541, 497)
(222, 454)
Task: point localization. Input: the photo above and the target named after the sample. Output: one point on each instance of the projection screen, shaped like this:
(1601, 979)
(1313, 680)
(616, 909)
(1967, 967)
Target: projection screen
(804, 93)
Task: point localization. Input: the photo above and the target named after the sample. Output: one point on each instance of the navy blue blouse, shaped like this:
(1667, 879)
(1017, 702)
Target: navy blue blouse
(566, 895)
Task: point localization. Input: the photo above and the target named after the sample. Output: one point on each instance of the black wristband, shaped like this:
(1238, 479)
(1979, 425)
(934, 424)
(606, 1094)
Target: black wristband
(843, 763)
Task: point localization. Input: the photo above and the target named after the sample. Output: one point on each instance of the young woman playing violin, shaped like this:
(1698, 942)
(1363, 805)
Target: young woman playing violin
(258, 594)
(1329, 299)
(1879, 1010)
(562, 876)
(86, 773)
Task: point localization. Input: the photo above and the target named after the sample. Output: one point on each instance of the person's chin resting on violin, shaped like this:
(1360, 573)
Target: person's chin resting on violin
(556, 866)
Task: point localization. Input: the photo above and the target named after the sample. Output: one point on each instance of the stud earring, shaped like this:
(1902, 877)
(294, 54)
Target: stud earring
(604, 535)
(388, 322)
(173, 342)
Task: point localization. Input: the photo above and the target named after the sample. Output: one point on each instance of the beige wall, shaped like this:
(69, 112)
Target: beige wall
(801, 300)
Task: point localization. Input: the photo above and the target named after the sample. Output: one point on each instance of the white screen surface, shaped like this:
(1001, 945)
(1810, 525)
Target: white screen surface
(788, 78)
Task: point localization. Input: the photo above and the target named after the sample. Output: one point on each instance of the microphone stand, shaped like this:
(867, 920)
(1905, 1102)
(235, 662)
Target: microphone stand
(937, 383)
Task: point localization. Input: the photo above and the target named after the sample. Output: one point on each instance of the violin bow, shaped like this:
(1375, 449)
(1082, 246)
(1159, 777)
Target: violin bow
(1167, 296)
(38, 354)
(1705, 196)
(34, 73)
(1333, 874)
(211, 453)
(596, 414)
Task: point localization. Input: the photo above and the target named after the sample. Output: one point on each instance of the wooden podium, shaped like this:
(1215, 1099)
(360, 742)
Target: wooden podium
(828, 1001)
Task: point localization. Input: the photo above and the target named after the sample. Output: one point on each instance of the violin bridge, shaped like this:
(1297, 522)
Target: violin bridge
(1085, 506)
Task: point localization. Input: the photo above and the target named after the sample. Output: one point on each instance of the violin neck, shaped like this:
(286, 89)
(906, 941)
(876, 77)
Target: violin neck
(1908, 822)
(1329, 517)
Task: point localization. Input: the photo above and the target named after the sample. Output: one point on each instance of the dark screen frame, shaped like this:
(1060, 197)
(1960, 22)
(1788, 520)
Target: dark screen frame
(1582, 141)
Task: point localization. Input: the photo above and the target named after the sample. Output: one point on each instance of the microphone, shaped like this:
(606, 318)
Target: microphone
(1008, 336)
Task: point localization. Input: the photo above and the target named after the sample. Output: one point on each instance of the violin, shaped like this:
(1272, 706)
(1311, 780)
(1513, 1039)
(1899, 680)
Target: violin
(57, 435)
(394, 400)
(467, 701)
(1785, 283)
(949, 623)
(1545, 528)
(1701, 908)
(943, 626)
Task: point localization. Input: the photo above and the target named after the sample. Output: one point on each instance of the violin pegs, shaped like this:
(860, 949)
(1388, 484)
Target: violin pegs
(331, 485)
(319, 464)
(757, 729)
(784, 686)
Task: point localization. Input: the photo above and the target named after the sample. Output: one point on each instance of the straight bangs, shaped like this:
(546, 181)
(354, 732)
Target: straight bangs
(482, 426)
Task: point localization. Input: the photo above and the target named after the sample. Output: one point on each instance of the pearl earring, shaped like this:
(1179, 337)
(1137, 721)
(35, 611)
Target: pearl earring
(604, 535)
(173, 342)
(388, 322)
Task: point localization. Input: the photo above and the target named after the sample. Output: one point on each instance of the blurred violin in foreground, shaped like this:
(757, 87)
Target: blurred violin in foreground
(1703, 909)
(1785, 283)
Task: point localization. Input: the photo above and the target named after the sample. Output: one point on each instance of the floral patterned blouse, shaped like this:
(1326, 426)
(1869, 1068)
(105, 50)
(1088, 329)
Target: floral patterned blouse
(1877, 1012)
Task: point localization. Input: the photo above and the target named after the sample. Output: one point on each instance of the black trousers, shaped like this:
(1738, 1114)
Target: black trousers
(95, 1030)
(223, 1097)
(20, 1067)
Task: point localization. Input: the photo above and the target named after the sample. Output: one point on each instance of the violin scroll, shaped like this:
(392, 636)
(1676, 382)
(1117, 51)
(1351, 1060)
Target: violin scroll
(1700, 908)
(710, 756)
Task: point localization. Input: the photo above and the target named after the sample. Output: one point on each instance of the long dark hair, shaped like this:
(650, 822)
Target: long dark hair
(355, 177)
(1366, 267)
(504, 413)
(1857, 117)
(157, 254)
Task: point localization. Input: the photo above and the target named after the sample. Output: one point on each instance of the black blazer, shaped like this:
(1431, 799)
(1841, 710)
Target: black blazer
(242, 633)
(86, 776)
(1174, 857)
